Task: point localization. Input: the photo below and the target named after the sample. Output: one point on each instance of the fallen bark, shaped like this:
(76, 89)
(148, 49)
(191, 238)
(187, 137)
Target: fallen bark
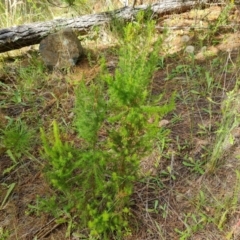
(29, 34)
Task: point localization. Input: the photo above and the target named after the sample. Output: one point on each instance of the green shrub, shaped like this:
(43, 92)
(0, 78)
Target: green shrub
(16, 137)
(95, 181)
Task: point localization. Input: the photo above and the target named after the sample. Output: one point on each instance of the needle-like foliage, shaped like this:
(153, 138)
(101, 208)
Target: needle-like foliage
(96, 182)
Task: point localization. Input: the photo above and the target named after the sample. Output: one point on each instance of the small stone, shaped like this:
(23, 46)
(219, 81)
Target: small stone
(61, 50)
(204, 49)
(185, 38)
(163, 123)
(190, 49)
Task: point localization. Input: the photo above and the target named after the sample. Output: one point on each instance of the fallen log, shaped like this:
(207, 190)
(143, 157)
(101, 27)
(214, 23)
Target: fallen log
(32, 33)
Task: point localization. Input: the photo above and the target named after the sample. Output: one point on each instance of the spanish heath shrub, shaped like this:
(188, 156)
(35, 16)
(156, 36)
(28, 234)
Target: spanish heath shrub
(95, 182)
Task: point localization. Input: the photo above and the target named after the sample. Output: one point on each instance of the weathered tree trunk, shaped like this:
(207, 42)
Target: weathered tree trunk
(29, 34)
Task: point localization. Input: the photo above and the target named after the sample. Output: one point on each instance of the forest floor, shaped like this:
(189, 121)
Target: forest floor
(193, 186)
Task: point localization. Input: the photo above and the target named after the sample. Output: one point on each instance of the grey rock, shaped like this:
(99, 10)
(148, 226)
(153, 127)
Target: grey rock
(61, 50)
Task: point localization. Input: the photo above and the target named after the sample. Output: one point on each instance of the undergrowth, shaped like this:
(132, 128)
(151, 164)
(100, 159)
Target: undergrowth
(93, 164)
